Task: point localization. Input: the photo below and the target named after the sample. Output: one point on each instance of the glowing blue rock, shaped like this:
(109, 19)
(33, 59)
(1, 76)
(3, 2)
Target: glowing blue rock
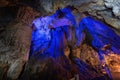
(49, 32)
(41, 35)
(98, 34)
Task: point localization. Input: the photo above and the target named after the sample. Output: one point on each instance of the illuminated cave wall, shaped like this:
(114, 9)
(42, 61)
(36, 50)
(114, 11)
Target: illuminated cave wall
(61, 43)
(50, 32)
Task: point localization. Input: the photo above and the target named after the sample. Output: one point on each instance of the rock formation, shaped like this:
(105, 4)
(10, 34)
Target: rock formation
(22, 58)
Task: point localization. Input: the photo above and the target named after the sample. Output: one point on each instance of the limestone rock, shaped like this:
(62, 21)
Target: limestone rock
(3, 70)
(51, 5)
(15, 42)
(92, 57)
(15, 69)
(58, 69)
(15, 47)
(27, 15)
(15, 38)
(113, 62)
(113, 22)
(115, 5)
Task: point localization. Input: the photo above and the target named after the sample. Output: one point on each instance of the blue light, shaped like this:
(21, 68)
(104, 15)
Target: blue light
(69, 16)
(100, 34)
(56, 44)
(51, 41)
(48, 41)
(41, 35)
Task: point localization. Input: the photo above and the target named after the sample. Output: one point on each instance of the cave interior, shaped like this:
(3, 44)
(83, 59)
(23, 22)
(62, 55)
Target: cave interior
(59, 40)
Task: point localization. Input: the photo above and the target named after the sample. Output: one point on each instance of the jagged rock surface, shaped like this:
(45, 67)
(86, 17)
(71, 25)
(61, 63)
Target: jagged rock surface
(60, 69)
(115, 5)
(15, 38)
(15, 42)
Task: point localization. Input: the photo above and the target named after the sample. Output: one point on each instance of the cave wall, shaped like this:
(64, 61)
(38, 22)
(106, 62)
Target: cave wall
(15, 33)
(105, 10)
